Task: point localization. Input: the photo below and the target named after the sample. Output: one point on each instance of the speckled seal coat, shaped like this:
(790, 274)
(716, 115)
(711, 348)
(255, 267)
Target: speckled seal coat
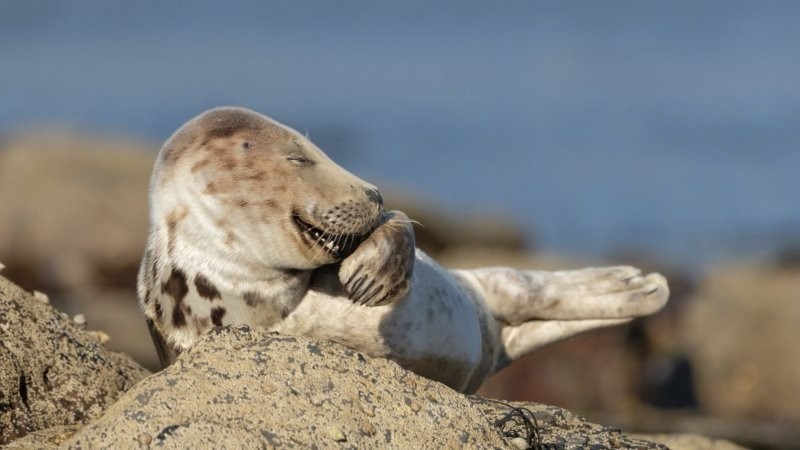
(251, 223)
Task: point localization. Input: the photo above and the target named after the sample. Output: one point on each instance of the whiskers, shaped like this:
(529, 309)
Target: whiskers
(395, 222)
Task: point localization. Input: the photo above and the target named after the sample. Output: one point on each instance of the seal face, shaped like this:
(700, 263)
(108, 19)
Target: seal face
(250, 169)
(251, 223)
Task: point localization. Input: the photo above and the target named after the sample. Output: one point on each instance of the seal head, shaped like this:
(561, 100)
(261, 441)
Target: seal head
(236, 166)
(242, 210)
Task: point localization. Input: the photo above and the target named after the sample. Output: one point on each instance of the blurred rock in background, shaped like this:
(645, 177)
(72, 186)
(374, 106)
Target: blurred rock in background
(742, 332)
(73, 209)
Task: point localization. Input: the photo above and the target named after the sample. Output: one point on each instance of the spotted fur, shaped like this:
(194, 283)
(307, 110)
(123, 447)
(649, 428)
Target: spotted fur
(250, 223)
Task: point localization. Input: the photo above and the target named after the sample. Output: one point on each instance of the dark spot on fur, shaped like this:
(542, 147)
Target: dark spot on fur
(253, 299)
(225, 122)
(154, 269)
(553, 304)
(269, 203)
(173, 152)
(211, 188)
(158, 310)
(229, 163)
(242, 203)
(200, 164)
(200, 324)
(205, 288)
(218, 148)
(216, 316)
(178, 317)
(257, 176)
(225, 131)
(177, 288)
(292, 272)
(176, 285)
(174, 217)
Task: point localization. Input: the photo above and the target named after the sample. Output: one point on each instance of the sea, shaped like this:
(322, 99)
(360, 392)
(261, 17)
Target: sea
(668, 129)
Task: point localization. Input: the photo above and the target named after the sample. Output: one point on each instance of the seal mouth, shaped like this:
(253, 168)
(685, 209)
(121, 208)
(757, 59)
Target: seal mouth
(337, 245)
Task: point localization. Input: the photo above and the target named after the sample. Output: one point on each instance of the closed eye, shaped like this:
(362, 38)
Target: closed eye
(299, 160)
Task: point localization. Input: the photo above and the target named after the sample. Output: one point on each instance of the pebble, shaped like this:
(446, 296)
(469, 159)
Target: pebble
(41, 296)
(335, 433)
(99, 336)
(145, 439)
(519, 443)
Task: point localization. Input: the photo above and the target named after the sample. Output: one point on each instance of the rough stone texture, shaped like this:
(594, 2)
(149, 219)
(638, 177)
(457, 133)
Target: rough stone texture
(51, 371)
(556, 428)
(49, 438)
(242, 388)
(743, 339)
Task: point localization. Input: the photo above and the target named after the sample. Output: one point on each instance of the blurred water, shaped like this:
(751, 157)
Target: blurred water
(669, 128)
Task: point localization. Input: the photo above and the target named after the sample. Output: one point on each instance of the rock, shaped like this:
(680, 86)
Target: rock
(49, 438)
(73, 209)
(689, 442)
(51, 372)
(788, 258)
(553, 427)
(242, 388)
(743, 340)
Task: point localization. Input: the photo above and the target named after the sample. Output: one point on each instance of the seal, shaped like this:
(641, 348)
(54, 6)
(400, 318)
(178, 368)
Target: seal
(251, 223)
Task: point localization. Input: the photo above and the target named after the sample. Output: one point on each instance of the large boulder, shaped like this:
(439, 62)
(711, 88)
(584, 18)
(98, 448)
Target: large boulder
(242, 388)
(52, 372)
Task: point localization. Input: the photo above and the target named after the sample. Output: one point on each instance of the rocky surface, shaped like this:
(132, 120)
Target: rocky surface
(239, 387)
(52, 372)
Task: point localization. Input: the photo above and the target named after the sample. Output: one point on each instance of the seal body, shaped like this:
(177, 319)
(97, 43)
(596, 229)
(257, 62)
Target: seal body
(250, 223)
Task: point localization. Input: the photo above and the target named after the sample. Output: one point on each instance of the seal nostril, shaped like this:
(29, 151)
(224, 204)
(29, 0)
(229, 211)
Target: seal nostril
(375, 196)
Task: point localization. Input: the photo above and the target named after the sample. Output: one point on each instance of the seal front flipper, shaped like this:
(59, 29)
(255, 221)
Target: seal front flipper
(379, 271)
